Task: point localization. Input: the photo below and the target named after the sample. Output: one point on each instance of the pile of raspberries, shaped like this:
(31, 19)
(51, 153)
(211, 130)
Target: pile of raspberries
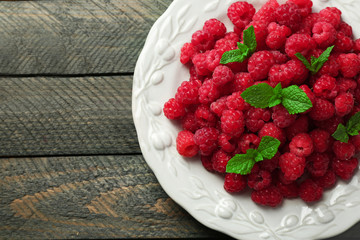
(217, 123)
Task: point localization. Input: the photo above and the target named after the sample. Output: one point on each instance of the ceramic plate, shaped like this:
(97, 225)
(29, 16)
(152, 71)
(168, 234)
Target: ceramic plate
(158, 73)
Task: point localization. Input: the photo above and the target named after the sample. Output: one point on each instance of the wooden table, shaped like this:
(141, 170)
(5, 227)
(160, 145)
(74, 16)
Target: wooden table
(71, 166)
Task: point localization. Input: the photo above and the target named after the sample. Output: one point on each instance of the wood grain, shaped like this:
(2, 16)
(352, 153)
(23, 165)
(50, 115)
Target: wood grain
(74, 37)
(89, 197)
(66, 116)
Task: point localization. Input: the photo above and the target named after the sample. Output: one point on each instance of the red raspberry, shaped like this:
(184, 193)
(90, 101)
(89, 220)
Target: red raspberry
(206, 139)
(304, 6)
(301, 43)
(317, 164)
(187, 93)
(270, 129)
(349, 64)
(343, 43)
(222, 75)
(300, 125)
(260, 28)
(270, 196)
(232, 122)
(355, 140)
(330, 67)
(281, 117)
(235, 101)
(267, 12)
(343, 151)
(202, 40)
(345, 168)
(188, 122)
(188, 51)
(204, 117)
(326, 87)
(260, 64)
(234, 182)
(256, 118)
(300, 71)
(346, 29)
(219, 106)
(344, 104)
(280, 176)
(215, 28)
(206, 162)
(219, 160)
(301, 145)
(322, 110)
(290, 190)
(270, 164)
(281, 74)
(320, 139)
(241, 13)
(226, 142)
(279, 57)
(329, 125)
(357, 45)
(291, 165)
(247, 141)
(330, 15)
(242, 81)
(288, 14)
(185, 144)
(346, 85)
(199, 61)
(309, 191)
(213, 58)
(277, 35)
(194, 76)
(173, 109)
(307, 24)
(324, 34)
(208, 92)
(326, 181)
(260, 180)
(223, 45)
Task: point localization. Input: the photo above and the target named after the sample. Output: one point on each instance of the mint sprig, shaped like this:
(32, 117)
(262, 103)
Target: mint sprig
(352, 128)
(316, 63)
(243, 163)
(263, 95)
(244, 49)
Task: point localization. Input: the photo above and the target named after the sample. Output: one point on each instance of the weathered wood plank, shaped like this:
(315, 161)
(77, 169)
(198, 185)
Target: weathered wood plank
(89, 197)
(74, 37)
(66, 116)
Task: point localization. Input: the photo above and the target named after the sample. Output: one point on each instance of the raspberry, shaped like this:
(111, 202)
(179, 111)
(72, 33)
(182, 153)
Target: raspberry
(288, 14)
(270, 129)
(173, 109)
(346, 29)
(301, 145)
(300, 125)
(309, 191)
(194, 76)
(307, 24)
(215, 28)
(185, 144)
(357, 45)
(208, 92)
(232, 122)
(327, 180)
(281, 117)
(219, 106)
(242, 81)
(241, 13)
(279, 57)
(204, 117)
(290, 190)
(301, 43)
(234, 182)
(206, 139)
(226, 143)
(329, 125)
(343, 43)
(343, 151)
(267, 12)
(281, 74)
(324, 34)
(213, 58)
(259, 64)
(199, 61)
(235, 101)
(206, 162)
(355, 140)
(277, 35)
(270, 164)
(317, 164)
(270, 196)
(219, 161)
(344, 104)
(260, 180)
(346, 85)
(330, 67)
(304, 6)
(223, 45)
(188, 122)
(326, 87)
(330, 15)
(280, 176)
(349, 64)
(322, 110)
(345, 168)
(247, 141)
(300, 71)
(260, 28)
(320, 140)
(291, 165)
(202, 40)
(222, 75)
(187, 93)
(256, 118)
(188, 51)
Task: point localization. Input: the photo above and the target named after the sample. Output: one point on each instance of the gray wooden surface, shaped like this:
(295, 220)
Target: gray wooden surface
(70, 164)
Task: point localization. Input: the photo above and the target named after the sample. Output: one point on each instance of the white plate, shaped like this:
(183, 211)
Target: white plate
(158, 73)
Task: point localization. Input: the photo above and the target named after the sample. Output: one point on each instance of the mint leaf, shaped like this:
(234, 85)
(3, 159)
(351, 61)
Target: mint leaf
(304, 61)
(295, 100)
(234, 56)
(276, 98)
(240, 164)
(316, 63)
(258, 95)
(353, 125)
(268, 147)
(250, 39)
(341, 134)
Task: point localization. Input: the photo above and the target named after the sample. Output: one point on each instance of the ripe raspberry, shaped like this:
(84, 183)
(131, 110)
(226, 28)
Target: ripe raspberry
(188, 51)
(304, 6)
(213, 58)
(234, 182)
(204, 117)
(222, 75)
(259, 64)
(208, 92)
(322, 110)
(260, 180)
(349, 64)
(281, 74)
(300, 71)
(307, 24)
(329, 125)
(215, 28)
(173, 109)
(343, 43)
(343, 151)
(223, 45)
(277, 35)
(219, 106)
(280, 176)
(330, 67)
(345, 168)
(232, 122)
(270, 164)
(187, 92)
(235, 101)
(260, 28)
(247, 141)
(327, 180)
(346, 29)
(357, 45)
(270, 196)
(301, 43)
(240, 14)
(300, 125)
(281, 117)
(326, 87)
(324, 34)
(267, 12)
(344, 104)
(309, 191)
(256, 118)
(355, 140)
(279, 57)
(188, 122)
(185, 144)
(346, 85)
(270, 129)
(226, 142)
(301, 145)
(194, 76)
(219, 160)
(290, 190)
(206, 139)
(317, 164)
(291, 165)
(199, 61)
(242, 81)
(206, 162)
(320, 139)
(288, 14)
(202, 40)
(330, 15)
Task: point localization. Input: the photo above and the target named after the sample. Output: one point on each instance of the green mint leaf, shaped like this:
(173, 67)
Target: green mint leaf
(316, 63)
(353, 125)
(250, 39)
(341, 134)
(276, 98)
(233, 56)
(258, 95)
(295, 100)
(304, 61)
(241, 164)
(268, 147)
